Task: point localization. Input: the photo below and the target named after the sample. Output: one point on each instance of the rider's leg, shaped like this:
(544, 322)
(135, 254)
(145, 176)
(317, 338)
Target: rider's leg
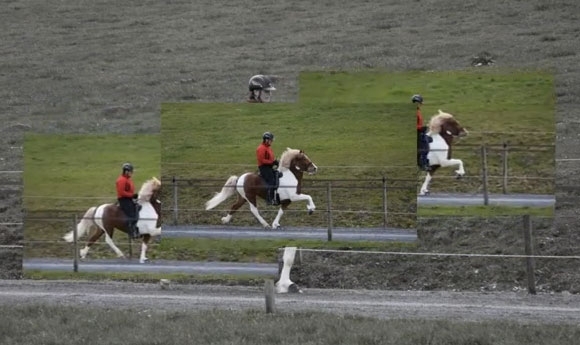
(128, 207)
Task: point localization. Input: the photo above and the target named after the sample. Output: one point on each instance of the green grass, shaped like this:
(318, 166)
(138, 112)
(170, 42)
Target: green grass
(507, 102)
(205, 249)
(178, 278)
(38, 323)
(483, 211)
(77, 167)
(211, 140)
(201, 142)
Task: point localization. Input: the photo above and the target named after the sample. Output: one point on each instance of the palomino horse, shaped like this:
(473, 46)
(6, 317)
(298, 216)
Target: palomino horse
(107, 217)
(443, 127)
(249, 186)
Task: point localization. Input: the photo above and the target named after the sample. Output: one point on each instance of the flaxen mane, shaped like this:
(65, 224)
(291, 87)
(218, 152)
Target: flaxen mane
(437, 120)
(288, 156)
(148, 188)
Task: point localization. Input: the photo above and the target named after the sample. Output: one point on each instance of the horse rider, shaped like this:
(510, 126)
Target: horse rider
(422, 137)
(126, 197)
(259, 83)
(266, 163)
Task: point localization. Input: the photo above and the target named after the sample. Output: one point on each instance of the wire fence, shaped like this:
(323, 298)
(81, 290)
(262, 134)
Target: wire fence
(528, 247)
(377, 201)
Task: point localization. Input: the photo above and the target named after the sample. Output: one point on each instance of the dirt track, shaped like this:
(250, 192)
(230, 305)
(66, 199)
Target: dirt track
(106, 67)
(518, 307)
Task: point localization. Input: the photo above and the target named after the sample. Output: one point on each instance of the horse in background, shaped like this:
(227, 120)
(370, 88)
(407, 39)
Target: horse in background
(249, 186)
(443, 128)
(107, 217)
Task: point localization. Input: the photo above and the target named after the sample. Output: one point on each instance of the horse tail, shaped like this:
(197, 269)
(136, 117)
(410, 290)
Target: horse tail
(228, 190)
(83, 226)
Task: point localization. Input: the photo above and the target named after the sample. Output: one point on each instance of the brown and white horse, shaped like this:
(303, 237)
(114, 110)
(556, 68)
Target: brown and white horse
(443, 128)
(107, 217)
(249, 186)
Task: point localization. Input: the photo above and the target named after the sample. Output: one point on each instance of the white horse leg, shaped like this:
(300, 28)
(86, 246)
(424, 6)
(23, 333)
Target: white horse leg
(299, 197)
(143, 258)
(452, 162)
(256, 214)
(276, 223)
(425, 186)
(84, 252)
(226, 219)
(109, 241)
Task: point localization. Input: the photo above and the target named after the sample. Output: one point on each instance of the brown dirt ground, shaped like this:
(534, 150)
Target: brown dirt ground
(107, 66)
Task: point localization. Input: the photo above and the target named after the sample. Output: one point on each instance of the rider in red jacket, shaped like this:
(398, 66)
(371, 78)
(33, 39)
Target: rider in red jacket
(422, 139)
(125, 196)
(266, 161)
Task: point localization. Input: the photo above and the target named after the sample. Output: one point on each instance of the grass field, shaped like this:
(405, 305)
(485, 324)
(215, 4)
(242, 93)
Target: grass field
(496, 105)
(47, 324)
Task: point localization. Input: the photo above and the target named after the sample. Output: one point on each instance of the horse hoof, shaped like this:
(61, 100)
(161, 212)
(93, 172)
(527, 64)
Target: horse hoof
(310, 212)
(142, 261)
(458, 177)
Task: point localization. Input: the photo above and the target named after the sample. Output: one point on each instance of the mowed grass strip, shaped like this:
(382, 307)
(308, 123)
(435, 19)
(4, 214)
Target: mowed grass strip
(203, 144)
(497, 106)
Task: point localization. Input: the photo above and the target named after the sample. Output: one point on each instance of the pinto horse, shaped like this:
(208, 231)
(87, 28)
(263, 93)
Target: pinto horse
(249, 186)
(107, 217)
(443, 127)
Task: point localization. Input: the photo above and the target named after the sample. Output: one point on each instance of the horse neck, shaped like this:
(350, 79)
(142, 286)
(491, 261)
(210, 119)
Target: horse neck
(448, 138)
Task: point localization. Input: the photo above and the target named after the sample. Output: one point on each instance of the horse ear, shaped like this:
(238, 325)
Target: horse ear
(440, 112)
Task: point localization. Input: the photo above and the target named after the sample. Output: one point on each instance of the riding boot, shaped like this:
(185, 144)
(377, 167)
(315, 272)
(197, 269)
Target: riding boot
(133, 230)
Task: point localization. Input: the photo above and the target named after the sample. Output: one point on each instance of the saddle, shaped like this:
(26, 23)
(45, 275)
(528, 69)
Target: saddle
(277, 176)
(138, 208)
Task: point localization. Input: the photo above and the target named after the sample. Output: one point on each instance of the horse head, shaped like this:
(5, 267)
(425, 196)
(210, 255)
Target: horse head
(446, 125)
(297, 160)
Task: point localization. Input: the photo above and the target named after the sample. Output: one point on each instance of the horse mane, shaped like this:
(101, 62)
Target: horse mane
(288, 156)
(148, 188)
(437, 121)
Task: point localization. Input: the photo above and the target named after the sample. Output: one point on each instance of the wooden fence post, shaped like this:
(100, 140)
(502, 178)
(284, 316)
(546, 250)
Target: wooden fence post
(175, 210)
(329, 210)
(75, 245)
(505, 167)
(269, 294)
(384, 202)
(529, 252)
(484, 173)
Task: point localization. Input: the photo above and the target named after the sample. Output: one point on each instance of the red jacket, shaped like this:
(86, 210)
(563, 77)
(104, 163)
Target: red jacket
(419, 119)
(265, 155)
(125, 187)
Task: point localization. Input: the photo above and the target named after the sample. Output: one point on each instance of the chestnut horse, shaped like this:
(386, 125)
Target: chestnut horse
(249, 186)
(107, 217)
(443, 127)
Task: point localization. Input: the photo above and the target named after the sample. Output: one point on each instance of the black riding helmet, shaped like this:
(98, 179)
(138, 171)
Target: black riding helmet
(267, 135)
(417, 99)
(127, 167)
